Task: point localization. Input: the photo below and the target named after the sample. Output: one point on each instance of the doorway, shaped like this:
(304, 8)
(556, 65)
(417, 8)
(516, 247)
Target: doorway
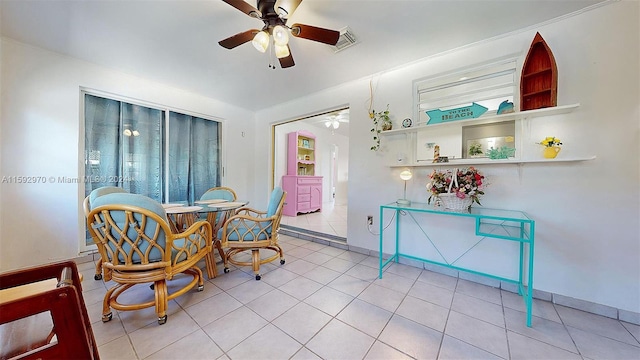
(331, 145)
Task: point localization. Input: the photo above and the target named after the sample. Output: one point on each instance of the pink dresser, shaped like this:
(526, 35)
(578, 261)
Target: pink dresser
(304, 189)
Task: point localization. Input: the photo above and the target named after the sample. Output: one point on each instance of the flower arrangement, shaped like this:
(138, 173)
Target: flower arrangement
(475, 149)
(469, 184)
(550, 141)
(381, 121)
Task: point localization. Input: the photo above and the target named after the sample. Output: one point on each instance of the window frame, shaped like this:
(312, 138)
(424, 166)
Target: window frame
(83, 247)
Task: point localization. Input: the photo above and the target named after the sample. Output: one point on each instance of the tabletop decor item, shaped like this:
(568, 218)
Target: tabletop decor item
(457, 189)
(381, 122)
(503, 152)
(551, 147)
(505, 107)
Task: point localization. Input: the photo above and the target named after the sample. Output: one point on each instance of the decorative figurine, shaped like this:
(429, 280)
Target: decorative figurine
(505, 107)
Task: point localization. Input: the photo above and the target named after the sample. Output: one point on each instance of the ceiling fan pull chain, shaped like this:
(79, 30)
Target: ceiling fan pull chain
(272, 57)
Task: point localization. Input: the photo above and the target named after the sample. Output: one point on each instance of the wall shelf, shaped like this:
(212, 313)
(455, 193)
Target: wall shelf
(467, 162)
(549, 111)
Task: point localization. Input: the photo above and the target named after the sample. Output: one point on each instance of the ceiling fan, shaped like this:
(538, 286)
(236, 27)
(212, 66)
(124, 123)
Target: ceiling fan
(333, 119)
(274, 14)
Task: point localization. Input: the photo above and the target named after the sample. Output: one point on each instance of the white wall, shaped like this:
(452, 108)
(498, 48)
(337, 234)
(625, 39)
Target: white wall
(41, 136)
(586, 214)
(587, 236)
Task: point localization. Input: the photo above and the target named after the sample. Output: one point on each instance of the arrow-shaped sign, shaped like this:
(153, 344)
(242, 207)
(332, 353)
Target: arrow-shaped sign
(468, 112)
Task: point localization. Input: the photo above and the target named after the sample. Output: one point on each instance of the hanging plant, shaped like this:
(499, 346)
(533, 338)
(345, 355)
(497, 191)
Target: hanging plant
(381, 121)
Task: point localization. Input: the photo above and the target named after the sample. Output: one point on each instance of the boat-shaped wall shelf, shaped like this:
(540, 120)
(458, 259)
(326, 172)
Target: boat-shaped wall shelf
(548, 111)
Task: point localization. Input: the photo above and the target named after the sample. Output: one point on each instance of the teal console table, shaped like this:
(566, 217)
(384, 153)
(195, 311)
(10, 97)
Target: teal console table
(509, 225)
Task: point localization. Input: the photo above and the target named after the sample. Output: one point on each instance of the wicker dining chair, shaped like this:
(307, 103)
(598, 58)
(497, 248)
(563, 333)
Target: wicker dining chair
(137, 246)
(86, 206)
(254, 230)
(220, 192)
(216, 219)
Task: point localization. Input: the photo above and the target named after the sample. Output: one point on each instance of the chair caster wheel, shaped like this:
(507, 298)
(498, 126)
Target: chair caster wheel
(201, 287)
(226, 270)
(282, 262)
(258, 277)
(162, 320)
(107, 318)
(97, 277)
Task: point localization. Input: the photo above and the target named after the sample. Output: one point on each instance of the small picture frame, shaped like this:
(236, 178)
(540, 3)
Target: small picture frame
(305, 143)
(443, 159)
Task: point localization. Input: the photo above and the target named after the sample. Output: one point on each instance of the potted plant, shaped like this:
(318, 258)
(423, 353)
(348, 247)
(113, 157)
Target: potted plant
(381, 122)
(475, 149)
(551, 146)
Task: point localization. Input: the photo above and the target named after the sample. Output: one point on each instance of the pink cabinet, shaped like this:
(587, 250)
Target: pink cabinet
(304, 194)
(301, 157)
(304, 189)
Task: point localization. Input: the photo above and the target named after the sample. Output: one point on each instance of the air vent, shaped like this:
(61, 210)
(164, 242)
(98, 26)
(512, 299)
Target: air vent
(347, 38)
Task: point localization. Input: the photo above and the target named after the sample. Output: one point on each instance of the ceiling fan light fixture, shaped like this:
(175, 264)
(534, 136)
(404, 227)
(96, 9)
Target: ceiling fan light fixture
(282, 13)
(282, 51)
(261, 41)
(280, 35)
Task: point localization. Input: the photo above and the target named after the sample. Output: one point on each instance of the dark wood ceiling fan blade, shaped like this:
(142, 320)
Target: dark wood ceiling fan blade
(238, 39)
(309, 32)
(286, 62)
(284, 8)
(245, 8)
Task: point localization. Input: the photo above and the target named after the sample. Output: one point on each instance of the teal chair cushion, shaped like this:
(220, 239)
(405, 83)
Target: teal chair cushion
(119, 217)
(104, 191)
(274, 201)
(247, 231)
(217, 194)
(245, 234)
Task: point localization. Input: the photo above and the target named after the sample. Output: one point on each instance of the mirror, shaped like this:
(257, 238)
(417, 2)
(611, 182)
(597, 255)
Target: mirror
(331, 162)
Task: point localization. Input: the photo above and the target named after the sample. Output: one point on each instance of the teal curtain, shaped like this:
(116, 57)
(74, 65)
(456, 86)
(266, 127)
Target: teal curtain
(123, 146)
(101, 142)
(194, 156)
(142, 148)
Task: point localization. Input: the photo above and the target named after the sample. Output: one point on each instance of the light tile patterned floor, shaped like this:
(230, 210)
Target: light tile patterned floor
(326, 303)
(332, 220)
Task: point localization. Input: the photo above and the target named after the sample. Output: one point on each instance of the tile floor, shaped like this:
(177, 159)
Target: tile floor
(327, 303)
(331, 220)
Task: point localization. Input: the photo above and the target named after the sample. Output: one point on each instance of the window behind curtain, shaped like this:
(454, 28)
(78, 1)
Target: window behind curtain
(125, 146)
(194, 156)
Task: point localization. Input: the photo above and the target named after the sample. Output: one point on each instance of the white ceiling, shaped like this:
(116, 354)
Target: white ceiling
(176, 42)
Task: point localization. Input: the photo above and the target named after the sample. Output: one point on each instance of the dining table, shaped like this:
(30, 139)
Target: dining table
(182, 215)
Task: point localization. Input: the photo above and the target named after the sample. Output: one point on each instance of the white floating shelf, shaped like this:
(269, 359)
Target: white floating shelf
(556, 110)
(489, 162)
